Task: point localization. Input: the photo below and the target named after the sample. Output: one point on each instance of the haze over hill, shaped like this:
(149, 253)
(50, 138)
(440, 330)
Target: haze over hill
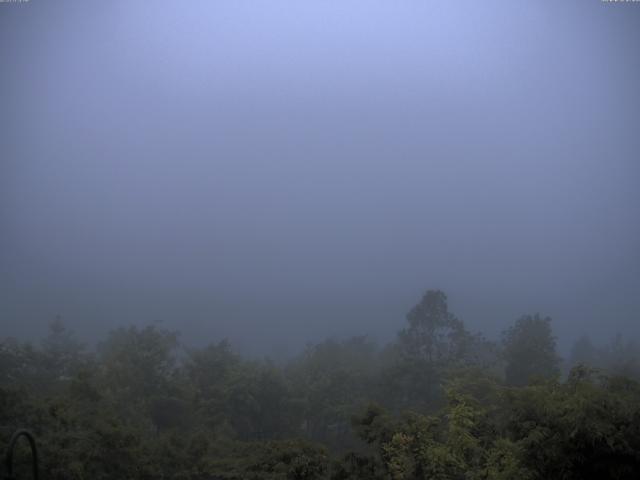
(275, 172)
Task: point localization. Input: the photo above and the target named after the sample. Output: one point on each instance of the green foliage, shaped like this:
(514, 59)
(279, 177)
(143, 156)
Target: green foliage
(274, 460)
(432, 405)
(330, 382)
(585, 428)
(434, 335)
(530, 350)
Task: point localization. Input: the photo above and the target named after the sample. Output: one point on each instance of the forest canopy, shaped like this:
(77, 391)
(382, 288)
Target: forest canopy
(439, 402)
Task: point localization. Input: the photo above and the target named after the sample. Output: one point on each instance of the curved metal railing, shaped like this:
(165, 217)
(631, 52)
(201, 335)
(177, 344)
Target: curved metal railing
(9, 457)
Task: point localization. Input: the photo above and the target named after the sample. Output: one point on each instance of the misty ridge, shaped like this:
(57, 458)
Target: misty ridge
(320, 240)
(437, 402)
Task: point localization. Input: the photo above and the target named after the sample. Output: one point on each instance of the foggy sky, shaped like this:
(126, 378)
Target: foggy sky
(276, 172)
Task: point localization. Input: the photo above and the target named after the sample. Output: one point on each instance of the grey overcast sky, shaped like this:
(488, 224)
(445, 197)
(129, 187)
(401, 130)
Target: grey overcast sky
(276, 172)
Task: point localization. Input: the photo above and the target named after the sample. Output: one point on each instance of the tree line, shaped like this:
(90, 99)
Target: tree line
(438, 402)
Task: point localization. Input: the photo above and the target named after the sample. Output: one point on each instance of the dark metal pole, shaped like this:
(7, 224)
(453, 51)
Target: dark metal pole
(9, 457)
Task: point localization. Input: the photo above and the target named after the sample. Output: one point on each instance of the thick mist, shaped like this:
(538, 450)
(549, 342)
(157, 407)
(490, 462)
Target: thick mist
(276, 172)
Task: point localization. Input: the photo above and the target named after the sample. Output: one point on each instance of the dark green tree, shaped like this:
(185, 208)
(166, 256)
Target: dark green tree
(434, 335)
(434, 341)
(530, 350)
(138, 369)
